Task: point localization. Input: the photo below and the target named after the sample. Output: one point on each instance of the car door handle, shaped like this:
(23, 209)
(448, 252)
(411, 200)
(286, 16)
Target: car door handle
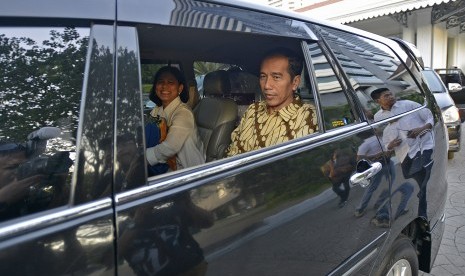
(362, 178)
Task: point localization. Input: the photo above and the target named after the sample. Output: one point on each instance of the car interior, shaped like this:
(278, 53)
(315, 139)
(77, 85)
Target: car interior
(225, 91)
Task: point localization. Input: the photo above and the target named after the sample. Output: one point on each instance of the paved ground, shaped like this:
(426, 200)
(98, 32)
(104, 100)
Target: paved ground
(451, 258)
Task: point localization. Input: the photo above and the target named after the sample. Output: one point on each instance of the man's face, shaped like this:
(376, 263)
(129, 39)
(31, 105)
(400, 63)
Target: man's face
(8, 165)
(276, 83)
(386, 100)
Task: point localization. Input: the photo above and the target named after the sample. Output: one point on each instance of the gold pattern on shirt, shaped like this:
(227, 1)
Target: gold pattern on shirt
(259, 129)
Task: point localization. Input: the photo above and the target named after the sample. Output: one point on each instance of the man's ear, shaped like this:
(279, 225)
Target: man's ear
(295, 82)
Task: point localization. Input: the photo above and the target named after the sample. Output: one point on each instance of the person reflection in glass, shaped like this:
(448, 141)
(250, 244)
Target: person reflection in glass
(158, 239)
(339, 169)
(29, 182)
(370, 150)
(13, 188)
(410, 138)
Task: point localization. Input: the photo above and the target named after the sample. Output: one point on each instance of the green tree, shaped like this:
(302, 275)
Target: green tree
(40, 83)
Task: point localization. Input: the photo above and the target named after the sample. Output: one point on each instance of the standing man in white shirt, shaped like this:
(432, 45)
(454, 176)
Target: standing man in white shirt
(410, 138)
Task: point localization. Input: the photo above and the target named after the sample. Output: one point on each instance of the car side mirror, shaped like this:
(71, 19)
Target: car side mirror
(454, 87)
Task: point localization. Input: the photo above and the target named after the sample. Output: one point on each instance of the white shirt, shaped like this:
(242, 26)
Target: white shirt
(182, 139)
(369, 147)
(399, 128)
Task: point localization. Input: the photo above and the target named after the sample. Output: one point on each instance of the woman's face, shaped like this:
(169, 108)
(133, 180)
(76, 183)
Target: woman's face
(167, 88)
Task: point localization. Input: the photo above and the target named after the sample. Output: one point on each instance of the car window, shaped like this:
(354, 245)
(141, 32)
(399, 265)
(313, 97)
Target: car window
(201, 68)
(333, 101)
(235, 57)
(434, 82)
(42, 71)
(371, 65)
(242, 86)
(452, 76)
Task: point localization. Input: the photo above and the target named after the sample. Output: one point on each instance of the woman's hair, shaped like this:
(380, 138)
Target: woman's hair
(184, 95)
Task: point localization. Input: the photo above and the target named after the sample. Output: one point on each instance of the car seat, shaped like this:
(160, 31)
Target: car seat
(216, 115)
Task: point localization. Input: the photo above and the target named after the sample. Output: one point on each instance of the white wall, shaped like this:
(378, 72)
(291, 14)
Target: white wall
(439, 46)
(424, 35)
(460, 61)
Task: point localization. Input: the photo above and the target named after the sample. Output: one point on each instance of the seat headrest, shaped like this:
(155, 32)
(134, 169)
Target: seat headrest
(245, 87)
(216, 84)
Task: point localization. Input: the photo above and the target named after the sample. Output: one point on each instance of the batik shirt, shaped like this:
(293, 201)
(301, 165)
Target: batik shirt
(259, 129)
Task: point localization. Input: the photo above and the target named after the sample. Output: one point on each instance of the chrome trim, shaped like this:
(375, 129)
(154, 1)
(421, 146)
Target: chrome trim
(363, 178)
(361, 262)
(82, 111)
(55, 217)
(398, 116)
(304, 26)
(364, 260)
(171, 180)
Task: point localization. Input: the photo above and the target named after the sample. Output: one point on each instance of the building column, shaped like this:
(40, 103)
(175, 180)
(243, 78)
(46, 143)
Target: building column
(452, 46)
(460, 53)
(408, 33)
(439, 49)
(424, 35)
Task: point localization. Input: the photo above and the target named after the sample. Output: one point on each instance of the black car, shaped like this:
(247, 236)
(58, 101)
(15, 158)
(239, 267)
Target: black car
(454, 79)
(450, 112)
(75, 195)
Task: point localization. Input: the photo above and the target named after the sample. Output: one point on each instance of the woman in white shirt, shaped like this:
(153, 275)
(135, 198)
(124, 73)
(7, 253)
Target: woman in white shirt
(182, 142)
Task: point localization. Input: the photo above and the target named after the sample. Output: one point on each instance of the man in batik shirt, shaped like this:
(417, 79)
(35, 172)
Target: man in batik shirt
(282, 116)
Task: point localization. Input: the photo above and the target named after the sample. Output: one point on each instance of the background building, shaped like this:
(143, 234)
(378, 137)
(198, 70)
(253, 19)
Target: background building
(286, 4)
(436, 27)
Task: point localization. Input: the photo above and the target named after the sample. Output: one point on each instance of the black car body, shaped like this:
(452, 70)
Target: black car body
(450, 112)
(454, 79)
(74, 194)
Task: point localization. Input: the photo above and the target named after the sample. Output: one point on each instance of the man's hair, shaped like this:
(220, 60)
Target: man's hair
(376, 94)
(295, 62)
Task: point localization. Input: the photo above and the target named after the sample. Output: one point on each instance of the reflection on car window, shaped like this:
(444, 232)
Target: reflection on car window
(371, 65)
(42, 75)
(434, 82)
(334, 103)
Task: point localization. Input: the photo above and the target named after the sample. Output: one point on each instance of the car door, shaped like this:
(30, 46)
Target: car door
(372, 64)
(56, 138)
(288, 208)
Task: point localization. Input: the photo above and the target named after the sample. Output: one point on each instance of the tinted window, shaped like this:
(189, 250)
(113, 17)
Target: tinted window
(371, 65)
(229, 67)
(333, 100)
(42, 73)
(452, 76)
(434, 82)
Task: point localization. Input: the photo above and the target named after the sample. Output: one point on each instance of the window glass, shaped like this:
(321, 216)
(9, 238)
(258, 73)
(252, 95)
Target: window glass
(220, 68)
(241, 86)
(371, 65)
(434, 82)
(42, 71)
(333, 101)
(201, 68)
(451, 76)
(130, 171)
